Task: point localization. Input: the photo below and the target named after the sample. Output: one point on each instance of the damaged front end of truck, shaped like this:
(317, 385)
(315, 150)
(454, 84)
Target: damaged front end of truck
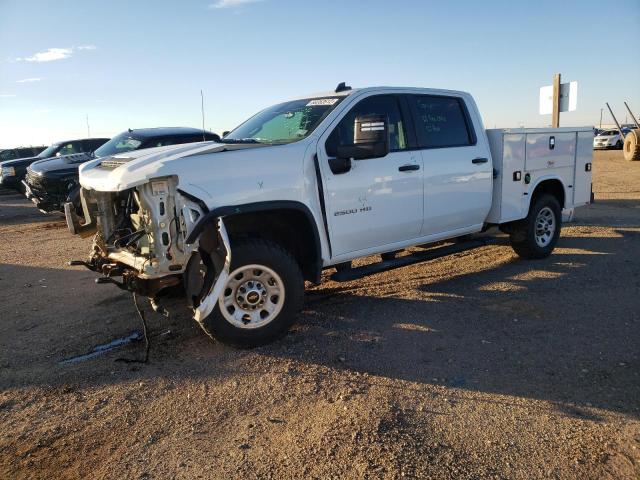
(154, 236)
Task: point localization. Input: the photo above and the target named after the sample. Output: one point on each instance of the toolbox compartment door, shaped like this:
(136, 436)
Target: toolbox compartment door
(550, 150)
(582, 179)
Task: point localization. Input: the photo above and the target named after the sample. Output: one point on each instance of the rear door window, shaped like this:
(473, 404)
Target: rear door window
(175, 140)
(441, 121)
(91, 145)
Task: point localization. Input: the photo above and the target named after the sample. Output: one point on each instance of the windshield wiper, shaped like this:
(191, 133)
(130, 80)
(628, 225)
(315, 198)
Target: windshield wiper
(240, 140)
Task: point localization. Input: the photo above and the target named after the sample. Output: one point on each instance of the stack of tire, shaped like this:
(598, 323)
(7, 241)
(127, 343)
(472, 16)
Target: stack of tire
(631, 147)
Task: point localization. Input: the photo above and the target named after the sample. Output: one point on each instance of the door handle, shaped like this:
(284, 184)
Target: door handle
(480, 160)
(408, 168)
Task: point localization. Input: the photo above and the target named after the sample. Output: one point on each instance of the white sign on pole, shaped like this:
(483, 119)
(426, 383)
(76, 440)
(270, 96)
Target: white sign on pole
(568, 98)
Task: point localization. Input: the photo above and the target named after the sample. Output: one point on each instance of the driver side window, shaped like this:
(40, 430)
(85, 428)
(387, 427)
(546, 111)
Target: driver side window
(386, 105)
(69, 148)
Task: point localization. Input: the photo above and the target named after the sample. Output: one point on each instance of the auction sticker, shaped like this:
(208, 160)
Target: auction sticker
(322, 101)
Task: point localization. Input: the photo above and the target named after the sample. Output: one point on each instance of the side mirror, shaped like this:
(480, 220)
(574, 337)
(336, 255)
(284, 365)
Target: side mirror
(370, 139)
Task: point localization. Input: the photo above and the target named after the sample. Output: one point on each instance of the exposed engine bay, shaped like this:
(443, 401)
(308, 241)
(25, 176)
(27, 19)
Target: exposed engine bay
(140, 241)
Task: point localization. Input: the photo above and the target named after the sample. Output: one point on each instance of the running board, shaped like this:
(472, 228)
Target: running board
(416, 257)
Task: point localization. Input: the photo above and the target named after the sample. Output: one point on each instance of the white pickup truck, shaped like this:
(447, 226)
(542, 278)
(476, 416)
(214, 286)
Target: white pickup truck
(313, 183)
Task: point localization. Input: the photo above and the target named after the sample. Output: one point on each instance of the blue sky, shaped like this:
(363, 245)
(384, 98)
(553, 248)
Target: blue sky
(142, 63)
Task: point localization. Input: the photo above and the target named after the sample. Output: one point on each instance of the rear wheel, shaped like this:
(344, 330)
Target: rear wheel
(536, 236)
(261, 298)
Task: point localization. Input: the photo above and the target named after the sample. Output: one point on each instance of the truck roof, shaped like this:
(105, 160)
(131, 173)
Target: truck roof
(345, 93)
(163, 131)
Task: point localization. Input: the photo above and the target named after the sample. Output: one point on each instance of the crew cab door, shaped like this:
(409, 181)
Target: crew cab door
(458, 174)
(377, 201)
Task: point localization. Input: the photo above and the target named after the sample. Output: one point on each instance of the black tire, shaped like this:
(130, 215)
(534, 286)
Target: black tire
(632, 146)
(274, 257)
(523, 234)
(619, 145)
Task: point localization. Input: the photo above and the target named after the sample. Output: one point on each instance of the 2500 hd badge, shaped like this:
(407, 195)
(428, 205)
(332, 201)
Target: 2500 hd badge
(351, 210)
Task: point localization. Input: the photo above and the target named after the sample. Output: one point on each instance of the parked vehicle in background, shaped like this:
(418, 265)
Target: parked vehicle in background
(52, 182)
(314, 183)
(14, 171)
(609, 139)
(20, 152)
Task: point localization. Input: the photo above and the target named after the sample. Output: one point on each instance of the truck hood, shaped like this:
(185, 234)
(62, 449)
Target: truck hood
(63, 165)
(20, 162)
(128, 170)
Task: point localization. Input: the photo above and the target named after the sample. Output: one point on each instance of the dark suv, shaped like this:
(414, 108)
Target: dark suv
(50, 183)
(13, 171)
(20, 152)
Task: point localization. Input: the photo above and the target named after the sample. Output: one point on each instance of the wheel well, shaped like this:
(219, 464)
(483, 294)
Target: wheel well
(290, 228)
(552, 187)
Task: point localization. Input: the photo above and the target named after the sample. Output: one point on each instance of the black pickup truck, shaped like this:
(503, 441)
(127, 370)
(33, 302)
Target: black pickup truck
(50, 183)
(14, 171)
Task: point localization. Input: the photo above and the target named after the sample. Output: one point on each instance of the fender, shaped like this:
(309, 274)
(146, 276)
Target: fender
(533, 186)
(227, 210)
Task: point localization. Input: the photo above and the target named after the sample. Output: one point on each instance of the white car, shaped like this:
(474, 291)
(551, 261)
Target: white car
(314, 183)
(608, 139)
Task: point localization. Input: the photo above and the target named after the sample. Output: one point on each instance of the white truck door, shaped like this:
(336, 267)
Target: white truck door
(377, 201)
(458, 174)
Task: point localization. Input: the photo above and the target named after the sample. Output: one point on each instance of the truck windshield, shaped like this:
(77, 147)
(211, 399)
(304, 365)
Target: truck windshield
(118, 144)
(49, 151)
(283, 123)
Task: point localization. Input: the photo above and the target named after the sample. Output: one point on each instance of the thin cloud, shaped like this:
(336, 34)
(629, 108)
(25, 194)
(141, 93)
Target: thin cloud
(232, 3)
(50, 55)
(28, 80)
(6, 95)
(53, 54)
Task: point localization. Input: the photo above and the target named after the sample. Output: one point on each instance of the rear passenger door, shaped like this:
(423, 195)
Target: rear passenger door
(457, 170)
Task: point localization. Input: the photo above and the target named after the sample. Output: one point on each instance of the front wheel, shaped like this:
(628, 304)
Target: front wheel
(536, 236)
(262, 296)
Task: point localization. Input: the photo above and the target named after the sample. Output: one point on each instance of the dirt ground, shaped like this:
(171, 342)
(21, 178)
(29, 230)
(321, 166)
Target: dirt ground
(477, 365)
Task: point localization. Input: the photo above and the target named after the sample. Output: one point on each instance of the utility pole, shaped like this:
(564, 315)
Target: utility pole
(600, 127)
(204, 139)
(88, 130)
(555, 116)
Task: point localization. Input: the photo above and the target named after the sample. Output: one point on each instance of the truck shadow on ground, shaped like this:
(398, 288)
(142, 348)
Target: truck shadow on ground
(611, 212)
(563, 329)
(16, 210)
